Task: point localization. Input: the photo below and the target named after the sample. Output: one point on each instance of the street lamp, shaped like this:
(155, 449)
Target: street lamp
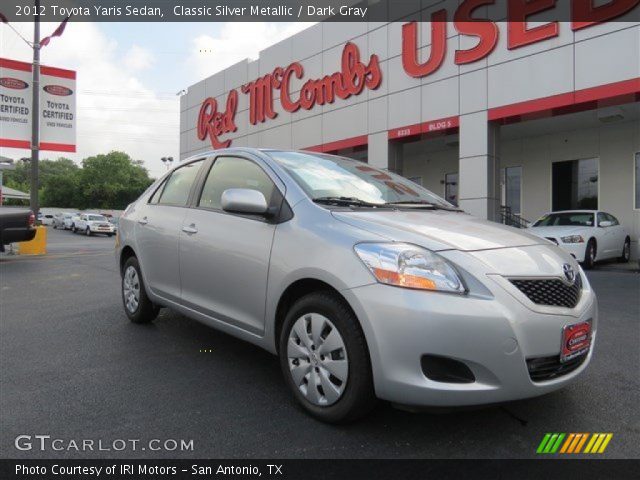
(167, 161)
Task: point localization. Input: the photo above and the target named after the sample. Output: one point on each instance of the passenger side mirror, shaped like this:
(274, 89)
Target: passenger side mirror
(244, 200)
(606, 223)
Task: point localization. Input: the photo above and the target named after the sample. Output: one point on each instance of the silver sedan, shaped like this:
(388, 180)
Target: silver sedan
(365, 284)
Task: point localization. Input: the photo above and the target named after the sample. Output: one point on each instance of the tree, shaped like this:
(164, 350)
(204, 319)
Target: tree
(111, 181)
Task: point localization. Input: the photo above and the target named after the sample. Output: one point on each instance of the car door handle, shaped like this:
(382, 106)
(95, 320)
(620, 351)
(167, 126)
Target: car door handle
(191, 229)
(143, 221)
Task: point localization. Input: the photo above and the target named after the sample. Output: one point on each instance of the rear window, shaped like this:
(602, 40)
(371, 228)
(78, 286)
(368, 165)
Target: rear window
(176, 189)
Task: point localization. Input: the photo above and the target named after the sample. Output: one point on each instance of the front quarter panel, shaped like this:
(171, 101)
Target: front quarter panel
(313, 245)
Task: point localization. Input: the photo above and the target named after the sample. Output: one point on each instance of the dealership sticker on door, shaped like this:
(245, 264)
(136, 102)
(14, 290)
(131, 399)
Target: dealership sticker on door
(576, 340)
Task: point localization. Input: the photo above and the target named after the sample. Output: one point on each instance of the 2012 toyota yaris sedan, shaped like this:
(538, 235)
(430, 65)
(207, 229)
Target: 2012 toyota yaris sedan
(365, 284)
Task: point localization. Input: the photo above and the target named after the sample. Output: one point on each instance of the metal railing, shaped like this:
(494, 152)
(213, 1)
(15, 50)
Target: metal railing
(513, 220)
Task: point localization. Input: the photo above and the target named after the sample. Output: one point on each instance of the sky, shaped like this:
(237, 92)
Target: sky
(129, 74)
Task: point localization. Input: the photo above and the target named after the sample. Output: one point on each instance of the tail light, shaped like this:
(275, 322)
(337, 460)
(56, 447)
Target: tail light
(32, 219)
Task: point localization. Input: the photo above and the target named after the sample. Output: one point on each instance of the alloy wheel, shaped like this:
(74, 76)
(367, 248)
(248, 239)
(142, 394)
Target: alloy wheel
(131, 289)
(317, 358)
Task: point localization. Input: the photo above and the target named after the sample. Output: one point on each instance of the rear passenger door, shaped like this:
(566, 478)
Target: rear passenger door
(224, 257)
(158, 231)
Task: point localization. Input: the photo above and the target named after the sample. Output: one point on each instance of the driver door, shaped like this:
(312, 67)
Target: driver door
(224, 257)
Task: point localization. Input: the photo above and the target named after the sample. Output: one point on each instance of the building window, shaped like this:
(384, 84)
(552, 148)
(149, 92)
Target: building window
(513, 189)
(575, 185)
(637, 204)
(451, 188)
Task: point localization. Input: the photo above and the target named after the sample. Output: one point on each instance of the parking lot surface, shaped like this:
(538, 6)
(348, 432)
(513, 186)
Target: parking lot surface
(72, 366)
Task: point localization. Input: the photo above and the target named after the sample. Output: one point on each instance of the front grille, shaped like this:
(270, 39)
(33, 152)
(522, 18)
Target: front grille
(551, 291)
(551, 239)
(548, 368)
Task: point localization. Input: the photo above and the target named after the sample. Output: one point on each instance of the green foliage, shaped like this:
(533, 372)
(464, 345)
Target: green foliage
(110, 181)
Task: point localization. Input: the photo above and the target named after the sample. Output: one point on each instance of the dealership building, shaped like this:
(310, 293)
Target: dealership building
(511, 122)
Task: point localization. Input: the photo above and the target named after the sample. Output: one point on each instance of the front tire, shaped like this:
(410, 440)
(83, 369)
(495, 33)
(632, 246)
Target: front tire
(589, 255)
(88, 232)
(136, 303)
(325, 359)
(626, 251)
(74, 229)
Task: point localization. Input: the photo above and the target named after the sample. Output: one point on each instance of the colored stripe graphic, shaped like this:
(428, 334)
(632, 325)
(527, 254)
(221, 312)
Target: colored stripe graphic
(573, 443)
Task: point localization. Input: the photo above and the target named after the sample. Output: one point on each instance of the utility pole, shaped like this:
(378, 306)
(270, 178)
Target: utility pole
(35, 113)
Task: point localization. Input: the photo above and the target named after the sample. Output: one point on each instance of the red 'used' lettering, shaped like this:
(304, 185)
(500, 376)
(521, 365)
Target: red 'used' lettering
(213, 124)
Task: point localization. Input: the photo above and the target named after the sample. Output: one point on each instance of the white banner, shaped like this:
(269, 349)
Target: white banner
(57, 107)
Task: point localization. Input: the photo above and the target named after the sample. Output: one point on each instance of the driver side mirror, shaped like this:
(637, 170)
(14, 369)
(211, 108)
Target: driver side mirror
(606, 223)
(244, 200)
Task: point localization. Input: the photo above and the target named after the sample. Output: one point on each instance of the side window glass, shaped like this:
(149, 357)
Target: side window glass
(177, 187)
(233, 172)
(601, 218)
(156, 195)
(612, 219)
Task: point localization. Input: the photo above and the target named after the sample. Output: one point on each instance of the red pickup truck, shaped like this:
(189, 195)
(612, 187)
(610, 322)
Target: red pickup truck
(16, 225)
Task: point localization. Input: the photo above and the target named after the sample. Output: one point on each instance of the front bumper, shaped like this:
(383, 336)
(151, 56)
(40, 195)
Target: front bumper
(576, 250)
(101, 229)
(493, 335)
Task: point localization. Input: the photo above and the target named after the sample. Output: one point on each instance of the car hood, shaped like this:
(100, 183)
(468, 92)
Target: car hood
(438, 229)
(555, 231)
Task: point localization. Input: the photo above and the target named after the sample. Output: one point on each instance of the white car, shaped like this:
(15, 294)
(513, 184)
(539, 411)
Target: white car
(588, 235)
(69, 220)
(90, 223)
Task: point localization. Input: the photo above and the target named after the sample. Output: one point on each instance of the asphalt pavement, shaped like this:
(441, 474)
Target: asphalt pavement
(73, 367)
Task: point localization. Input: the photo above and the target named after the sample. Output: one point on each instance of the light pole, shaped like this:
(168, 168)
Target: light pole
(167, 161)
(35, 113)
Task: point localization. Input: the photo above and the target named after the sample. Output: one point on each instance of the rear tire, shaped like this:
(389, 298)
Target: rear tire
(626, 251)
(74, 229)
(136, 303)
(311, 354)
(88, 232)
(589, 255)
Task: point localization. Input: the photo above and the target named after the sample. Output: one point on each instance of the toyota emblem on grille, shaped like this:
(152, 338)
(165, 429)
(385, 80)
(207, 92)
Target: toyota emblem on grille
(569, 273)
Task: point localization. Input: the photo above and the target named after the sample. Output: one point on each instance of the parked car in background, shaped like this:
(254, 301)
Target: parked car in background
(69, 220)
(92, 223)
(16, 225)
(364, 283)
(588, 235)
(58, 220)
(114, 221)
(45, 218)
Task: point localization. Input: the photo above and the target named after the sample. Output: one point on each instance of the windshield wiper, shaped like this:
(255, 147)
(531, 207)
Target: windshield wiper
(424, 203)
(348, 201)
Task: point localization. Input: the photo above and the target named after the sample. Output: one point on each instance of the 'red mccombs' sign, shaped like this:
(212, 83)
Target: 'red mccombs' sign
(355, 75)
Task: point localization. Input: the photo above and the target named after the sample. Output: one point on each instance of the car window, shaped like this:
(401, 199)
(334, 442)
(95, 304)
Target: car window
(612, 219)
(156, 195)
(233, 172)
(578, 219)
(177, 187)
(602, 217)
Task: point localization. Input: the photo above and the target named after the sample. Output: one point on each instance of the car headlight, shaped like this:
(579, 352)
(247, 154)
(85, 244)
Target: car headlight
(572, 239)
(409, 266)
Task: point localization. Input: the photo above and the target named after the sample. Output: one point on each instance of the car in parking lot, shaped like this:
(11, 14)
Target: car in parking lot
(91, 223)
(587, 235)
(70, 220)
(45, 218)
(365, 284)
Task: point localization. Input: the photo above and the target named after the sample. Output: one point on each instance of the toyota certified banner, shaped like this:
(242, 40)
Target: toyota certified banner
(57, 106)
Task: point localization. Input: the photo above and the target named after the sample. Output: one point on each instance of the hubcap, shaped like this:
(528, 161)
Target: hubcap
(131, 289)
(317, 359)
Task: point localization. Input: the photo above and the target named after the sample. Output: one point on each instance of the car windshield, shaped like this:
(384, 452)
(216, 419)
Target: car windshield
(328, 177)
(97, 218)
(577, 219)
